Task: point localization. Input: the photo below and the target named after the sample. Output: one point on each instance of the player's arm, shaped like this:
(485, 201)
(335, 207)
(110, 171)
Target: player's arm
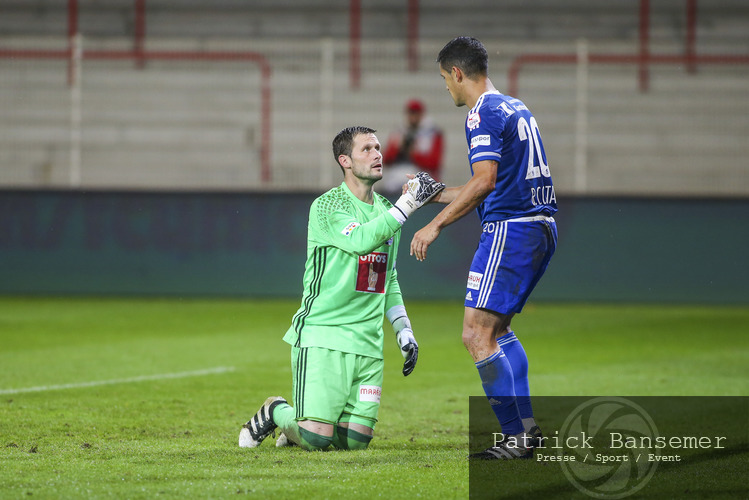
(464, 200)
(447, 195)
(396, 314)
(350, 235)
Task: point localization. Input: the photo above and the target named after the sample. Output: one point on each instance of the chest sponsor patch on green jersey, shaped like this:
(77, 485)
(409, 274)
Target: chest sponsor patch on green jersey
(372, 273)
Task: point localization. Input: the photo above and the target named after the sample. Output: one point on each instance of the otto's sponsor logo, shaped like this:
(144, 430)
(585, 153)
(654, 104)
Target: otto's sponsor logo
(372, 273)
(473, 121)
(474, 280)
(378, 257)
(347, 230)
(480, 140)
(370, 393)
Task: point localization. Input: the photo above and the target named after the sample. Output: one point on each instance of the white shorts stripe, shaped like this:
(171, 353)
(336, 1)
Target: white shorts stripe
(492, 266)
(498, 260)
(485, 275)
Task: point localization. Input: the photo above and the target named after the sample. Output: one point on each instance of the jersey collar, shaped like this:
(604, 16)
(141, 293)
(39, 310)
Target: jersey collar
(357, 200)
(480, 100)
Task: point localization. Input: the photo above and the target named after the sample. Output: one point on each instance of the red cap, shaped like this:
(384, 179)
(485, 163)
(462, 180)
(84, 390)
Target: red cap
(415, 105)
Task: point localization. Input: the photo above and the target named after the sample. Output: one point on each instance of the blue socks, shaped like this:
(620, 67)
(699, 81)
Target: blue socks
(504, 376)
(515, 353)
(499, 386)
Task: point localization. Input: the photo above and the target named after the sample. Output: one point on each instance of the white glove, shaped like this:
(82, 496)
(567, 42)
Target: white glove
(420, 190)
(409, 349)
(405, 337)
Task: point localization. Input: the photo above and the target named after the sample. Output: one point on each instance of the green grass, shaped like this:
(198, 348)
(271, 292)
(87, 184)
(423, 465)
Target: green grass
(176, 438)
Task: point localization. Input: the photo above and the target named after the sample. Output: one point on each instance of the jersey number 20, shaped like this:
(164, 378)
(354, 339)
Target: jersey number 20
(536, 165)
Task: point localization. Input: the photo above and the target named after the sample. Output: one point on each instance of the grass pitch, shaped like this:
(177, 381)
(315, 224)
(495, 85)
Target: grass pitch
(144, 398)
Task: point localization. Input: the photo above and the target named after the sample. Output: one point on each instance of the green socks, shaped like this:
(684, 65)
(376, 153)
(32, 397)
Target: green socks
(285, 418)
(349, 439)
(343, 438)
(313, 442)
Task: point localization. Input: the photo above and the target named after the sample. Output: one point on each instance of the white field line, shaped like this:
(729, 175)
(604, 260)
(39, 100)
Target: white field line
(142, 378)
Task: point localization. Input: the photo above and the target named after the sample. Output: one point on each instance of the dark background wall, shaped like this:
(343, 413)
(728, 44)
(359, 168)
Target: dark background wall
(253, 244)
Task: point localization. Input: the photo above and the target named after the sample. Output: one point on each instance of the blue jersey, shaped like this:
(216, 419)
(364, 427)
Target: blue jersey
(501, 128)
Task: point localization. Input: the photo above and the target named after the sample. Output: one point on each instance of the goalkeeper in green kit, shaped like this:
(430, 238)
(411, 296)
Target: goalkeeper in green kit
(350, 283)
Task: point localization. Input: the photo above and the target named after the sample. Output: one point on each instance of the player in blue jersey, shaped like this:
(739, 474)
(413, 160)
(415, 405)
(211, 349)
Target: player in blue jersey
(512, 191)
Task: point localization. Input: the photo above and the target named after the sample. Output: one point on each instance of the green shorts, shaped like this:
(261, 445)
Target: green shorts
(334, 386)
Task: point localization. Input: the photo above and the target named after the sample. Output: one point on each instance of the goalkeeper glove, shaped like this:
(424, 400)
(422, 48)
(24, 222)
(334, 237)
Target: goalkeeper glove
(420, 190)
(405, 337)
(409, 349)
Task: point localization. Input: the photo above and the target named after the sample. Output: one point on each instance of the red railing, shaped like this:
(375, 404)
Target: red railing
(139, 35)
(523, 60)
(140, 55)
(355, 43)
(355, 21)
(413, 35)
(643, 59)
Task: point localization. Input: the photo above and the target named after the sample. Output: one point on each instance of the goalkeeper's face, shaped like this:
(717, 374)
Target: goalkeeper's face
(366, 158)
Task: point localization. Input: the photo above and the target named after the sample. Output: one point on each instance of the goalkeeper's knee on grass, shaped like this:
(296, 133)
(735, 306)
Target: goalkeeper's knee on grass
(343, 438)
(349, 439)
(311, 441)
(284, 417)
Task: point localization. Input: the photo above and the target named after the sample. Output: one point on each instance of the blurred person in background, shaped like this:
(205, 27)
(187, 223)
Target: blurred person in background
(415, 146)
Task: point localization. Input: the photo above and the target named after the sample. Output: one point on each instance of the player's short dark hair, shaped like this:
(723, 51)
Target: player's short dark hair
(466, 53)
(343, 144)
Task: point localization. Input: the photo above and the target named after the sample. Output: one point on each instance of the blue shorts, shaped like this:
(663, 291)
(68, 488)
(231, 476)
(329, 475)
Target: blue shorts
(511, 257)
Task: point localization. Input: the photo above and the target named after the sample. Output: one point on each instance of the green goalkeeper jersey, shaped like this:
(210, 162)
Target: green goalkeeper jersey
(350, 279)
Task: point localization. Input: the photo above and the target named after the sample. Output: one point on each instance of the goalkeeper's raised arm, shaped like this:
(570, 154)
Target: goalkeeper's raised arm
(344, 227)
(338, 219)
